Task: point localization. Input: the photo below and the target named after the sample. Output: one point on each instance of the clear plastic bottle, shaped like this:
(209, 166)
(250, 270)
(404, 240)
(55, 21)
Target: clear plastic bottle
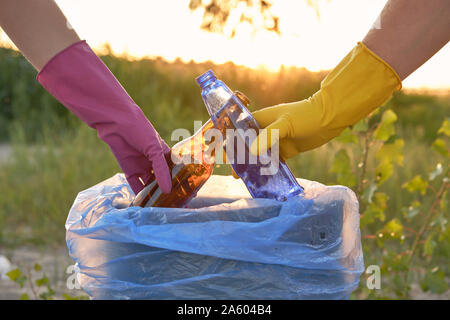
(227, 111)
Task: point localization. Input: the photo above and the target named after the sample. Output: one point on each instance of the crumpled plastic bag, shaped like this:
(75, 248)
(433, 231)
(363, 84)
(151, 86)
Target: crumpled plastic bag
(225, 245)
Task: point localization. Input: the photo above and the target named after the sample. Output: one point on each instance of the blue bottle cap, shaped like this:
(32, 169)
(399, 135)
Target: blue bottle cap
(206, 78)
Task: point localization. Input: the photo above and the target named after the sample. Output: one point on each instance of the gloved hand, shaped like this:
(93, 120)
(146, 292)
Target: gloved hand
(82, 82)
(359, 84)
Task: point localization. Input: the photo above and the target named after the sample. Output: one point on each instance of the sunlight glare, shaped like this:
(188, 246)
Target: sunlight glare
(168, 29)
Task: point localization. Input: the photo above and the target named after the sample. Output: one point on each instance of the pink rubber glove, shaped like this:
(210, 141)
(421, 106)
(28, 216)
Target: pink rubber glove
(81, 81)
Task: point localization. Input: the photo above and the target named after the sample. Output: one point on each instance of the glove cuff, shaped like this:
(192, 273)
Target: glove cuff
(395, 74)
(56, 56)
(359, 84)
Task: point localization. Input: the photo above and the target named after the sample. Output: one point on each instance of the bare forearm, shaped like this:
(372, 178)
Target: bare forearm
(37, 27)
(409, 32)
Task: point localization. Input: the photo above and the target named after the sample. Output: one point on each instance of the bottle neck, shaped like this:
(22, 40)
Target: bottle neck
(206, 79)
(215, 93)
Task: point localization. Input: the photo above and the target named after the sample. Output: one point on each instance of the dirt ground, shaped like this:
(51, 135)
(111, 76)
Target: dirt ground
(55, 263)
(5, 151)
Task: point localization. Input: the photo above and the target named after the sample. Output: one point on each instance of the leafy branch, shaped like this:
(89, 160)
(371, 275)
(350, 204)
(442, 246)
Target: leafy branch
(224, 16)
(435, 209)
(39, 284)
(389, 240)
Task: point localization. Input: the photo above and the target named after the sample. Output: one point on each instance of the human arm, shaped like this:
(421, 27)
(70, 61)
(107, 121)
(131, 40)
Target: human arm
(74, 75)
(38, 28)
(411, 32)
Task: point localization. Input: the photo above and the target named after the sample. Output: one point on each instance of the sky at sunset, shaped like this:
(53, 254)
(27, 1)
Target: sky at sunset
(170, 30)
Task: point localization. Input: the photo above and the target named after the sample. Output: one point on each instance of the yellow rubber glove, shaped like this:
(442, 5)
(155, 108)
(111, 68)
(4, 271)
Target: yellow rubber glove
(359, 84)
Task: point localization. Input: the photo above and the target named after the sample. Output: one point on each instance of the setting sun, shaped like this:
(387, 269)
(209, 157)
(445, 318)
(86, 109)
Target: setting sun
(170, 30)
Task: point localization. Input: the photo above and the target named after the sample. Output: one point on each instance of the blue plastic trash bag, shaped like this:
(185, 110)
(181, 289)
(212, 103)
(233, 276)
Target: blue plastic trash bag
(224, 246)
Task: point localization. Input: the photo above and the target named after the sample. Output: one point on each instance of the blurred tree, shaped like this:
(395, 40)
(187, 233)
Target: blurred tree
(220, 14)
(224, 16)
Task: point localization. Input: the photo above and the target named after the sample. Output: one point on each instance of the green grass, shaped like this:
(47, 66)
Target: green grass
(40, 182)
(42, 178)
(55, 156)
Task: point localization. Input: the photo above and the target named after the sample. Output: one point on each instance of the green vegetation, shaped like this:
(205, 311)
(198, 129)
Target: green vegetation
(38, 283)
(397, 161)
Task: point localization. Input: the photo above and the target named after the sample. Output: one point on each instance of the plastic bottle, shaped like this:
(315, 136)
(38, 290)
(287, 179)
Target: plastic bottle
(191, 162)
(228, 112)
